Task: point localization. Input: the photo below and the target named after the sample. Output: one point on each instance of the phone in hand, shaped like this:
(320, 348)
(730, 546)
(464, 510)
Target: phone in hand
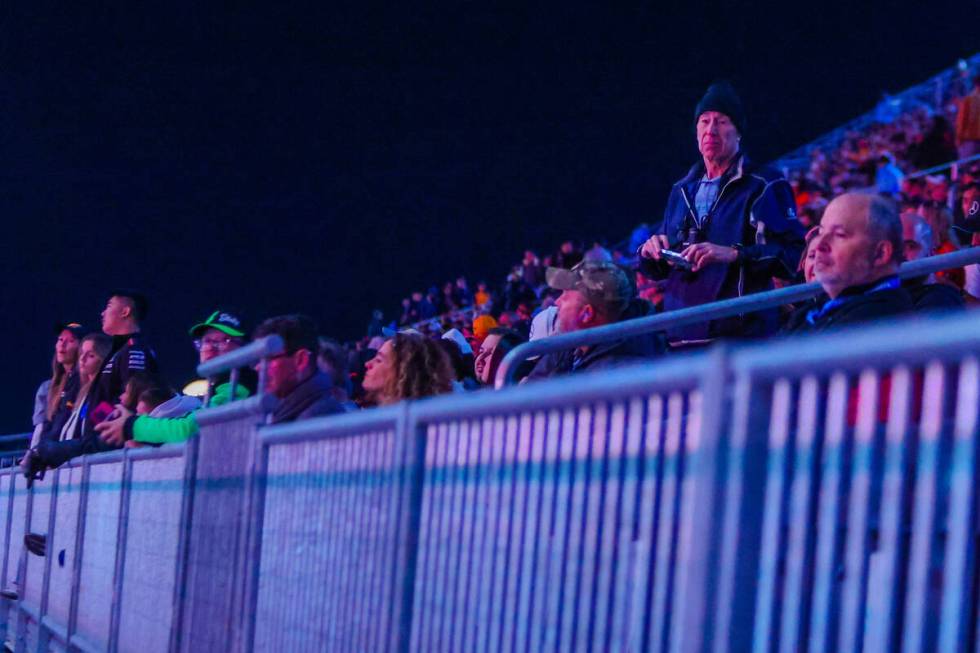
(675, 259)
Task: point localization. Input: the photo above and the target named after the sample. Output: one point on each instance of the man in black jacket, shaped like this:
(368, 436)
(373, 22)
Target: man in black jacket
(595, 294)
(858, 251)
(733, 225)
(293, 377)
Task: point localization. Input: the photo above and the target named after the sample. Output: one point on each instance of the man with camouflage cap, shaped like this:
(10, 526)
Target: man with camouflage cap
(595, 294)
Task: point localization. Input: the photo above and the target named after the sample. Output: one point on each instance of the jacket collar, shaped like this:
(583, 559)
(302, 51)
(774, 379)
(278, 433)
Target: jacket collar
(698, 170)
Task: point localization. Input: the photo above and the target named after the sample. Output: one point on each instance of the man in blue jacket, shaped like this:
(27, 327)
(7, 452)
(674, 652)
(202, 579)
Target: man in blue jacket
(733, 225)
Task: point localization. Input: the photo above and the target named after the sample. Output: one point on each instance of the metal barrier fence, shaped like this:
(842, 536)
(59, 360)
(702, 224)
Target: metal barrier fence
(818, 494)
(704, 313)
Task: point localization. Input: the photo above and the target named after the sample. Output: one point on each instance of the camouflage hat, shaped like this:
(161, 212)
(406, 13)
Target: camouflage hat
(601, 282)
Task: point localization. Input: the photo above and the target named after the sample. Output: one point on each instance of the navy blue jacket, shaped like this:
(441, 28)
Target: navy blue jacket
(755, 212)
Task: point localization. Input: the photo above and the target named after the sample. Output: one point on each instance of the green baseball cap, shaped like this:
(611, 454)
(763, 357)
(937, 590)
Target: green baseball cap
(223, 321)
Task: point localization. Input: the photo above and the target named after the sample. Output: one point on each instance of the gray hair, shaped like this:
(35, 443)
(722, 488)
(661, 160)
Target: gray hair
(884, 223)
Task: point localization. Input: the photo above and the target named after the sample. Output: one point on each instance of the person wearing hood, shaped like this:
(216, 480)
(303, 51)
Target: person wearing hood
(728, 229)
(595, 294)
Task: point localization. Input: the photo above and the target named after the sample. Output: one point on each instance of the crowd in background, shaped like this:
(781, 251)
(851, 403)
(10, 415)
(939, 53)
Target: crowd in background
(105, 390)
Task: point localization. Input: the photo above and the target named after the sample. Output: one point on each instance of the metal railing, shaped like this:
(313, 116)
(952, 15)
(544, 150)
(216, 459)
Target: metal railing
(817, 492)
(704, 313)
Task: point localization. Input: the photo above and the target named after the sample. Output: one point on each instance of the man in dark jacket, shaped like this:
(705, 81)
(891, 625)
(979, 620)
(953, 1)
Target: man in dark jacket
(733, 224)
(858, 251)
(293, 377)
(594, 294)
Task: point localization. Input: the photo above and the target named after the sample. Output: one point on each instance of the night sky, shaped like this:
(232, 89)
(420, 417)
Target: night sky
(331, 159)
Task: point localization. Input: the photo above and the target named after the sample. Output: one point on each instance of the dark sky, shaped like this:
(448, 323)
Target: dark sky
(329, 159)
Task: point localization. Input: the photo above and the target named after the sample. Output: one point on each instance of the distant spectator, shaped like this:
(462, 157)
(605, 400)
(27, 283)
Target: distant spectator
(734, 224)
(971, 286)
(377, 321)
(597, 254)
(970, 207)
(54, 398)
(449, 297)
(409, 314)
(888, 177)
(332, 359)
(858, 250)
(917, 239)
(532, 272)
(423, 307)
(498, 343)
(220, 333)
(482, 325)
(567, 256)
(595, 294)
(482, 296)
(407, 366)
(293, 377)
(968, 123)
(936, 147)
(809, 255)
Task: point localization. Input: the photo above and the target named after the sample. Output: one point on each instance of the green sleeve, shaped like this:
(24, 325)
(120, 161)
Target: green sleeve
(163, 430)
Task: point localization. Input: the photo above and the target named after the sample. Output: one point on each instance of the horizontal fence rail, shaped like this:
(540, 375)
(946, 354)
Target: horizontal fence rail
(819, 493)
(704, 313)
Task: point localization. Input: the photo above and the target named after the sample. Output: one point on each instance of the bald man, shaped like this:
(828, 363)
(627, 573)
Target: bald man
(858, 251)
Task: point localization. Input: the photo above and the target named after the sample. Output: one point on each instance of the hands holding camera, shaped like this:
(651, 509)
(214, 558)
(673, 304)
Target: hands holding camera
(697, 255)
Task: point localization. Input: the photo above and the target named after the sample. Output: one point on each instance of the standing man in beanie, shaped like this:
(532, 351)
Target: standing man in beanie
(733, 225)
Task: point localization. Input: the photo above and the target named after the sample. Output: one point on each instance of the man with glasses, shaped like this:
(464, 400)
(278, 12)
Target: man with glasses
(219, 334)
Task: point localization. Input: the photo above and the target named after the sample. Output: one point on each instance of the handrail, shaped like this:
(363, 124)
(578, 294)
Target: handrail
(942, 166)
(705, 312)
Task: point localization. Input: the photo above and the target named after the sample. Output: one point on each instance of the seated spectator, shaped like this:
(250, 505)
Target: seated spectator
(531, 270)
(482, 325)
(332, 359)
(858, 250)
(293, 377)
(220, 333)
(917, 239)
(888, 178)
(408, 366)
(940, 221)
(55, 396)
(595, 294)
(461, 356)
(162, 402)
(567, 256)
(498, 343)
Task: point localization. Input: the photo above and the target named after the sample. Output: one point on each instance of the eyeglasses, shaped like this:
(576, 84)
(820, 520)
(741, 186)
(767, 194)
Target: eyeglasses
(213, 343)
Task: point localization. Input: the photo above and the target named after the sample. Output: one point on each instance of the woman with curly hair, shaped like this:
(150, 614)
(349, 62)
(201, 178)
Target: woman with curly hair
(408, 366)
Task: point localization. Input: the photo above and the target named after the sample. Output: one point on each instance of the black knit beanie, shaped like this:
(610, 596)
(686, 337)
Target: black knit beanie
(721, 97)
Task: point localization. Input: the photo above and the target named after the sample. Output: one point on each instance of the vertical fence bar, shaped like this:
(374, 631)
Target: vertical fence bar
(76, 574)
(962, 514)
(772, 519)
(924, 509)
(821, 626)
(184, 531)
(882, 600)
(855, 569)
(415, 436)
(43, 608)
(120, 564)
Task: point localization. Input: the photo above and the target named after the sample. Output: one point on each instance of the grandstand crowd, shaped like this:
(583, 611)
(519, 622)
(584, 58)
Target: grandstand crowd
(731, 227)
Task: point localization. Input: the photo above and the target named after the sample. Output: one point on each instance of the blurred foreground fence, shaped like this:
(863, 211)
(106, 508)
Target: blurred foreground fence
(818, 494)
